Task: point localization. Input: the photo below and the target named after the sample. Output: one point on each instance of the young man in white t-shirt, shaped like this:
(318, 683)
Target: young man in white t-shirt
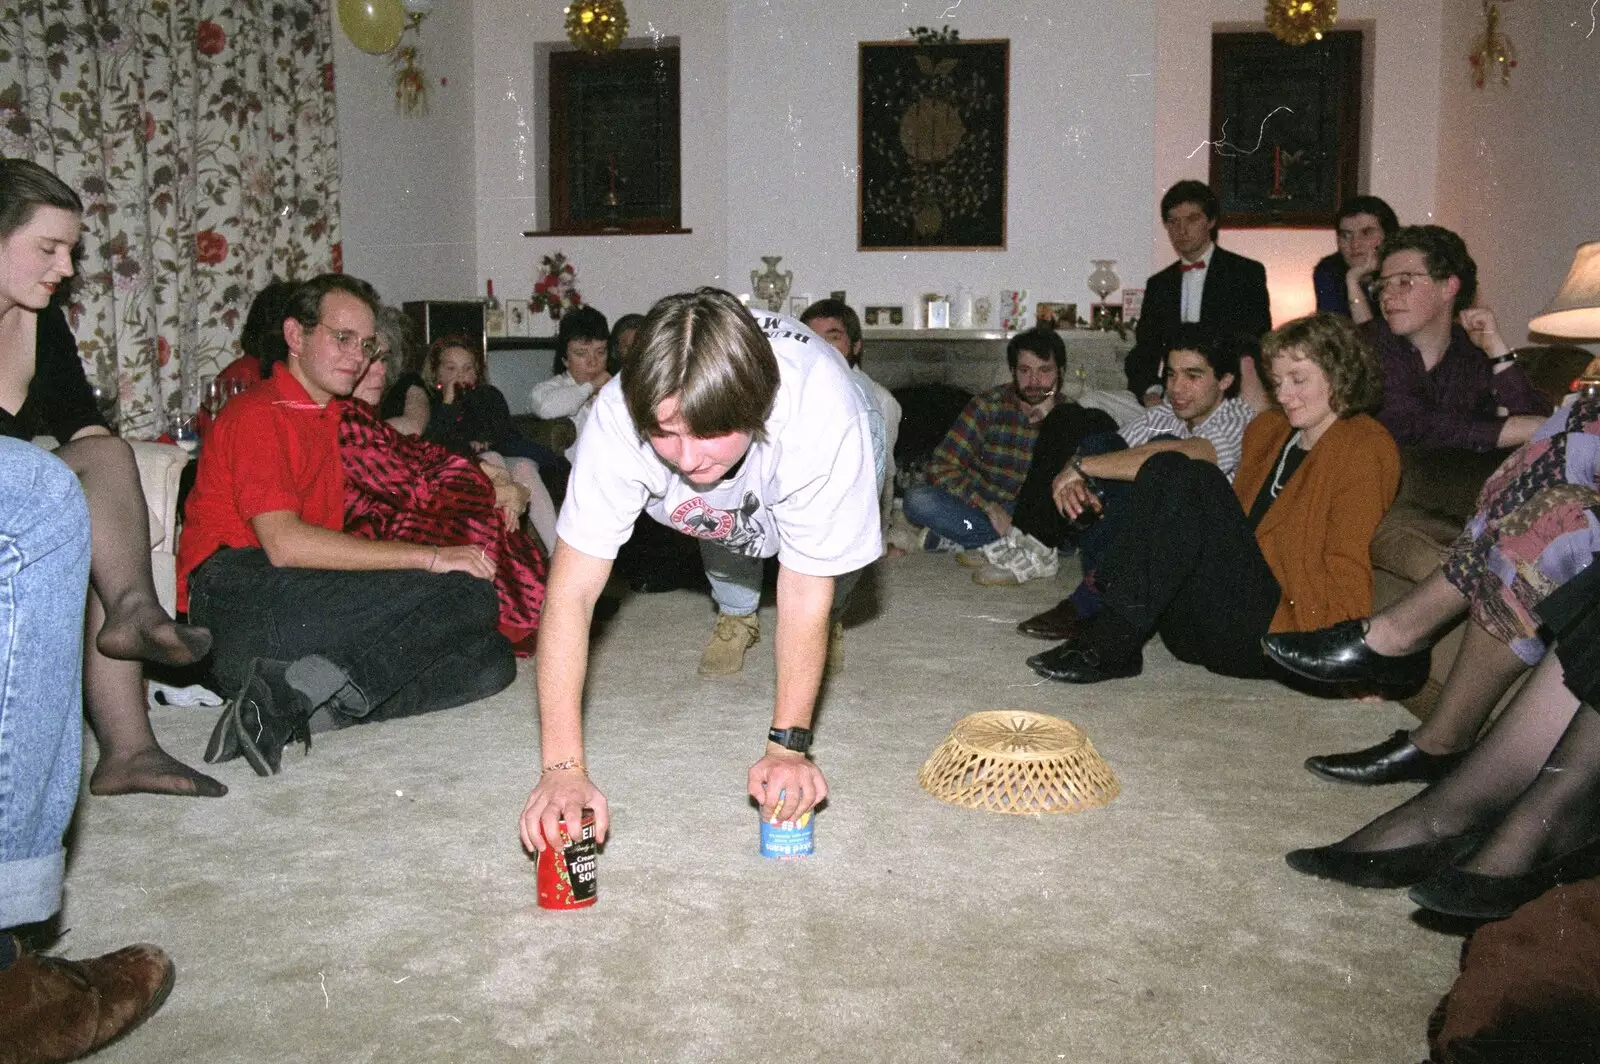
(742, 430)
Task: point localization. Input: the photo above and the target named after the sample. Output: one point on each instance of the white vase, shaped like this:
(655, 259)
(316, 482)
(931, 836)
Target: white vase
(770, 286)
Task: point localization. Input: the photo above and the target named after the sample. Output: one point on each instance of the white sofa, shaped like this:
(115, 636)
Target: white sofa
(160, 467)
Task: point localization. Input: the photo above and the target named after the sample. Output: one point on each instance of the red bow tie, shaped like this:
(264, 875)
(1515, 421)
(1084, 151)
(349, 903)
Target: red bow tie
(1186, 267)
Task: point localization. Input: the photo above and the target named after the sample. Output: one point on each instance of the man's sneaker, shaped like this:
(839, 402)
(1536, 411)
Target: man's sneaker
(56, 1010)
(835, 662)
(265, 716)
(724, 655)
(1024, 559)
(990, 552)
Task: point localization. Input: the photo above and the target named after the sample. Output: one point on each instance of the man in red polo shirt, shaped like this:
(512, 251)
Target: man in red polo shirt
(315, 629)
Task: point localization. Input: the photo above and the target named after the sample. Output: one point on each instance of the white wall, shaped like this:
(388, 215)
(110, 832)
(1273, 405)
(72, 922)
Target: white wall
(1402, 118)
(407, 211)
(1518, 162)
(1081, 111)
(769, 148)
(615, 274)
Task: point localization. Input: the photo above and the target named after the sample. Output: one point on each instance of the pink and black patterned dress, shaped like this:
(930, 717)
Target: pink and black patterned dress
(403, 488)
(1537, 527)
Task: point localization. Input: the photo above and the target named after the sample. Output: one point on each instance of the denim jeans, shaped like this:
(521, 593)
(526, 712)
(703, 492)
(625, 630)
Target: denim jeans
(736, 581)
(948, 517)
(408, 642)
(44, 577)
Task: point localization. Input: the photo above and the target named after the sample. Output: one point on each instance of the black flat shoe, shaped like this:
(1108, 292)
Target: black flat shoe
(1399, 867)
(1457, 892)
(1340, 655)
(1395, 760)
(1076, 663)
(1059, 622)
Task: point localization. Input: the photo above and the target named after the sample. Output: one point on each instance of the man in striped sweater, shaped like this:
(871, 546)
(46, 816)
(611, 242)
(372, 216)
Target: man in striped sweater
(972, 481)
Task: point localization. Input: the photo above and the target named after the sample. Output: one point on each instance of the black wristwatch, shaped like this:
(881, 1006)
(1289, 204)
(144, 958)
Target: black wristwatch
(796, 739)
(1500, 360)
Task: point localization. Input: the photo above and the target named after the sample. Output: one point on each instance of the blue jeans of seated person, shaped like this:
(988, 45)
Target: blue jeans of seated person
(407, 641)
(736, 582)
(948, 518)
(44, 577)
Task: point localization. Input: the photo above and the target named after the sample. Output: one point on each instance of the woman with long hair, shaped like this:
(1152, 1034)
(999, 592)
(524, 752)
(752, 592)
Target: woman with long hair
(43, 390)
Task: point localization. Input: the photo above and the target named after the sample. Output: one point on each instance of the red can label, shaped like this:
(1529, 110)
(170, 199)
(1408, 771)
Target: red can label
(567, 872)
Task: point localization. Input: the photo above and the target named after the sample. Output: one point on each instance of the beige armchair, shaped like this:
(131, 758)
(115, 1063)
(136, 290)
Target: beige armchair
(160, 467)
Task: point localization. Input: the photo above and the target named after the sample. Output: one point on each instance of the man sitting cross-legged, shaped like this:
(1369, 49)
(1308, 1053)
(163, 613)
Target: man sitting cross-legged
(315, 628)
(1201, 416)
(973, 477)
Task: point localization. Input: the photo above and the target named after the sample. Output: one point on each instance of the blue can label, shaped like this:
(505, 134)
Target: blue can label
(787, 840)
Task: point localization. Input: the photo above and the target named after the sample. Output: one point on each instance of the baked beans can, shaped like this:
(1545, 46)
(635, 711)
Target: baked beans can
(566, 872)
(787, 840)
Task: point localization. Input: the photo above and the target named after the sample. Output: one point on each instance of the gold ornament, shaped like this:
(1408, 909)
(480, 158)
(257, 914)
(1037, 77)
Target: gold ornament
(1299, 21)
(1492, 50)
(596, 25)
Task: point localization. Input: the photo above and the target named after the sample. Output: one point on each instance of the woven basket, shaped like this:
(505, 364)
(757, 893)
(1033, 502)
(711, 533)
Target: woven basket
(1014, 761)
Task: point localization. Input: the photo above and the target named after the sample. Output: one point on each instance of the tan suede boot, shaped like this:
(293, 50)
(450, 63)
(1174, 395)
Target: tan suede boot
(56, 1010)
(724, 655)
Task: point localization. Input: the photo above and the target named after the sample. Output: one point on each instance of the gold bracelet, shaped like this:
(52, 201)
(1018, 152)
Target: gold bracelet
(571, 762)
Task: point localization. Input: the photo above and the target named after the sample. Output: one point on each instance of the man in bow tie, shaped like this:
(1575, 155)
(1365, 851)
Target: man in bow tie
(1224, 292)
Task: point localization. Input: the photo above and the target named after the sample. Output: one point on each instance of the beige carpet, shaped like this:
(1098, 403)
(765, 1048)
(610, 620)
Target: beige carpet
(372, 902)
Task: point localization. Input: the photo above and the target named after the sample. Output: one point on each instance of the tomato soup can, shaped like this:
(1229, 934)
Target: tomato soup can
(787, 840)
(566, 871)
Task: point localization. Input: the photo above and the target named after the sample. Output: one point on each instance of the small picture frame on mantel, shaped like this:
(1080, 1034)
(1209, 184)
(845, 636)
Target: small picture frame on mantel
(887, 316)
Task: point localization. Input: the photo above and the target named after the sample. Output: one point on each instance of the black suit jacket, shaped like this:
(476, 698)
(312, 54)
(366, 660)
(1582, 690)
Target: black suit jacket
(1234, 303)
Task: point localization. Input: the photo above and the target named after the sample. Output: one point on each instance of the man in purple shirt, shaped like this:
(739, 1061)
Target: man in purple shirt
(1447, 383)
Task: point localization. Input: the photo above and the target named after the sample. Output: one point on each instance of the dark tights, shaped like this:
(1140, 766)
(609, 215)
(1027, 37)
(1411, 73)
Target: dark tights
(125, 626)
(1532, 782)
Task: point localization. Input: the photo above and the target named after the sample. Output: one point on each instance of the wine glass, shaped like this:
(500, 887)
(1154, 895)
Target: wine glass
(211, 394)
(186, 433)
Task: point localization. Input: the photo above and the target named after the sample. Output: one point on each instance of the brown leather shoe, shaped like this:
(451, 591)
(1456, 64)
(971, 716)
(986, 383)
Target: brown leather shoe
(57, 1010)
(1058, 623)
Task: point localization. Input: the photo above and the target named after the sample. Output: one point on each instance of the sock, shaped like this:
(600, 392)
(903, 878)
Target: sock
(1085, 598)
(323, 682)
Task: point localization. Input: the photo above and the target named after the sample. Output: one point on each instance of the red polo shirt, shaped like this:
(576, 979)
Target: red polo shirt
(272, 448)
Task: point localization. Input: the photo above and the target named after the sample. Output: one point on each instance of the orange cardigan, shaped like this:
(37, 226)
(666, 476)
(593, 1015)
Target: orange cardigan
(1317, 535)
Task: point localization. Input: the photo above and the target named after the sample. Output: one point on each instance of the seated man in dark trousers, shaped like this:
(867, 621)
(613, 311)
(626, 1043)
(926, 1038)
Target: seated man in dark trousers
(1077, 495)
(314, 628)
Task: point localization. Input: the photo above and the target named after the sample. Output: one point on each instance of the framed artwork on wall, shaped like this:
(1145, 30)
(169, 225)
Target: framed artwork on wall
(932, 145)
(1285, 127)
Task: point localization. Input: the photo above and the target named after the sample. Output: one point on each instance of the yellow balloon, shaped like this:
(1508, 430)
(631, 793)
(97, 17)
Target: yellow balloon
(372, 25)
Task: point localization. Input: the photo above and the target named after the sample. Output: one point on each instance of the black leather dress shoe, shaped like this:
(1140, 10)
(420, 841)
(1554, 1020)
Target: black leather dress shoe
(1457, 892)
(1399, 867)
(1076, 663)
(1340, 655)
(1057, 624)
(1395, 760)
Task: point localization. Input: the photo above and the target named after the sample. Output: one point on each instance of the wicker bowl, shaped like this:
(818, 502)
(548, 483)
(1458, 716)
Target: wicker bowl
(1014, 761)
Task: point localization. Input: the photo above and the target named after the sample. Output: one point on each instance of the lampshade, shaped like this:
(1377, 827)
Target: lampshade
(1575, 311)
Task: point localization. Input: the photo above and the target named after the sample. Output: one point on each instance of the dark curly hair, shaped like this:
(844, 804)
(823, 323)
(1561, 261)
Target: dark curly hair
(1332, 342)
(436, 350)
(1443, 251)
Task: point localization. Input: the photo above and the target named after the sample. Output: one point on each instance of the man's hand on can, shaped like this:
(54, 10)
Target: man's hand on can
(561, 797)
(792, 776)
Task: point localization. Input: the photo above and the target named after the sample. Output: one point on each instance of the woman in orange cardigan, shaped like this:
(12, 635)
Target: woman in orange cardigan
(1212, 569)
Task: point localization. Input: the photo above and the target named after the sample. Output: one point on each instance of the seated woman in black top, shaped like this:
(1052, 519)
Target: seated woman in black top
(43, 390)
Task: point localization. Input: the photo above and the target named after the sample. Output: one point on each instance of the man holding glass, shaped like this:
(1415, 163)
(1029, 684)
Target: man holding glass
(316, 629)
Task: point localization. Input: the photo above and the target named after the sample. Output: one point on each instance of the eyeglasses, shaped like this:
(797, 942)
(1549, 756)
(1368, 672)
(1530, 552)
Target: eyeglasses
(350, 341)
(1400, 282)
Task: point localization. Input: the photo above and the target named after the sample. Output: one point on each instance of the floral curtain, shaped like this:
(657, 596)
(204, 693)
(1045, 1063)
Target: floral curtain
(202, 137)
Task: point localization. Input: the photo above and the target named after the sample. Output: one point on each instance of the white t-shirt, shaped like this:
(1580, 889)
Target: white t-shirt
(807, 493)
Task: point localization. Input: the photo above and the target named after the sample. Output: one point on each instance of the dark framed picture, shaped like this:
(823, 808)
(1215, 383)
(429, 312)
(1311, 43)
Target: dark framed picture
(1285, 127)
(932, 145)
